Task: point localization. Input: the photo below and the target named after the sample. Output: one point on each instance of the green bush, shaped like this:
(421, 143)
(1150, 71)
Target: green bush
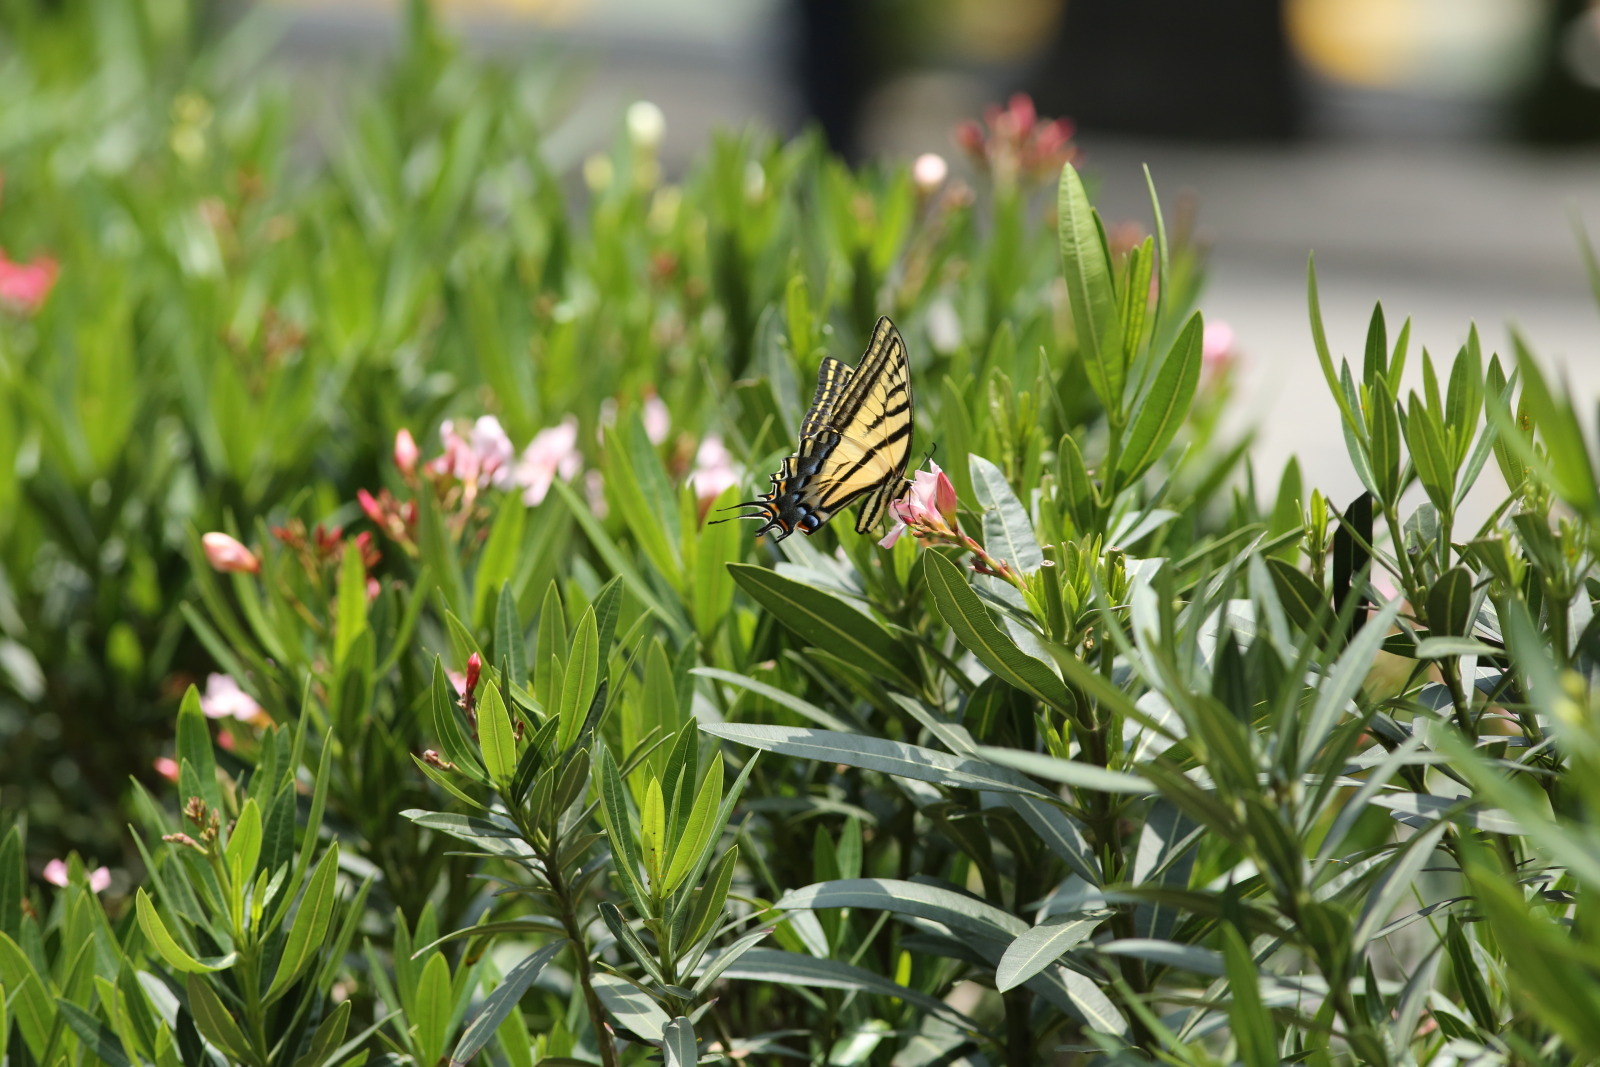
(507, 752)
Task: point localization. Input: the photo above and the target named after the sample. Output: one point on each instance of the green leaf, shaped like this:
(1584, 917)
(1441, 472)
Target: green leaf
(678, 1044)
(1253, 1028)
(1569, 468)
(1036, 949)
(325, 1041)
(803, 708)
(1075, 773)
(828, 622)
(799, 969)
(502, 1002)
(215, 1022)
(495, 737)
(1301, 599)
(310, 925)
(244, 846)
(1076, 491)
(352, 617)
(696, 837)
(1343, 682)
(715, 546)
(1165, 405)
(1450, 604)
(1429, 455)
(1007, 533)
(97, 1038)
(510, 643)
(166, 946)
(13, 883)
(877, 754)
(432, 1008)
(550, 643)
(1091, 295)
(498, 564)
(194, 748)
(966, 616)
(620, 827)
(632, 1007)
(579, 680)
(946, 906)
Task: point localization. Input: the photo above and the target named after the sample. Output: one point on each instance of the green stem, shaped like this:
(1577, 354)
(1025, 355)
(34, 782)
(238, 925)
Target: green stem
(580, 952)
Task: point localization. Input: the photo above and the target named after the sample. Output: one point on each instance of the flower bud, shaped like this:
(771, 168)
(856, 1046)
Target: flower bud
(226, 554)
(646, 125)
(474, 669)
(406, 452)
(929, 172)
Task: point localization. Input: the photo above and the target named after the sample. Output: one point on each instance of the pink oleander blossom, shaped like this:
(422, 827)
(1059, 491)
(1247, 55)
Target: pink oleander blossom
(553, 453)
(1217, 351)
(406, 452)
(657, 419)
(24, 287)
(223, 699)
(1012, 143)
(714, 469)
(166, 767)
(928, 507)
(56, 872)
(496, 454)
(228, 555)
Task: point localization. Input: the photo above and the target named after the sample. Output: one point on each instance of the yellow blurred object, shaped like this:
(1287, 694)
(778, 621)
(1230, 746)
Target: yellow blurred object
(998, 30)
(1450, 47)
(1363, 42)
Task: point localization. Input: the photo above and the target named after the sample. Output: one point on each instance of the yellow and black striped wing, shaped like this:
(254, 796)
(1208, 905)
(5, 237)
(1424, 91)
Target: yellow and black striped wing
(855, 442)
(874, 422)
(833, 377)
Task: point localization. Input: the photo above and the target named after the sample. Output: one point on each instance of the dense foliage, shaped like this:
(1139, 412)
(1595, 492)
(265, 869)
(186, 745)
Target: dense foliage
(506, 752)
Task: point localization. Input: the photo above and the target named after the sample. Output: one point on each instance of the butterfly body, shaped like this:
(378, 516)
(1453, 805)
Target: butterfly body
(855, 442)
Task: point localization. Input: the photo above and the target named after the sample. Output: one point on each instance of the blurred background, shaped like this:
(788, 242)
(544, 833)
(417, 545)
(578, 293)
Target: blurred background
(1434, 154)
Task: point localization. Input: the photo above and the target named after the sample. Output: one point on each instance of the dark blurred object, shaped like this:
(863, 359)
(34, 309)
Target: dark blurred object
(1562, 103)
(831, 68)
(1171, 68)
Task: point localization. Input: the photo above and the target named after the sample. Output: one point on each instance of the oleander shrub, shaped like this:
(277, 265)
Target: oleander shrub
(361, 612)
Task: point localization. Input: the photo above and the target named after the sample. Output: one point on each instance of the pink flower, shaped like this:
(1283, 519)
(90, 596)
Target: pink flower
(227, 555)
(224, 699)
(55, 872)
(594, 492)
(25, 286)
(458, 682)
(494, 450)
(553, 453)
(714, 470)
(929, 506)
(657, 419)
(928, 172)
(167, 767)
(458, 460)
(1216, 346)
(405, 451)
(1016, 144)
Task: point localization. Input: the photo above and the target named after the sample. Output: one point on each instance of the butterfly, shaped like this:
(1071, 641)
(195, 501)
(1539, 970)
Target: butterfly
(854, 444)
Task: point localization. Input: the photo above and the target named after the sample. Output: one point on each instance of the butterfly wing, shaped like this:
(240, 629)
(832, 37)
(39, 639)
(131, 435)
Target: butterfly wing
(855, 441)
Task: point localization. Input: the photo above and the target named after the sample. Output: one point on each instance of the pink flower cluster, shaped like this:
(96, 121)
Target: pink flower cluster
(483, 457)
(928, 511)
(56, 873)
(714, 470)
(1013, 145)
(24, 287)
